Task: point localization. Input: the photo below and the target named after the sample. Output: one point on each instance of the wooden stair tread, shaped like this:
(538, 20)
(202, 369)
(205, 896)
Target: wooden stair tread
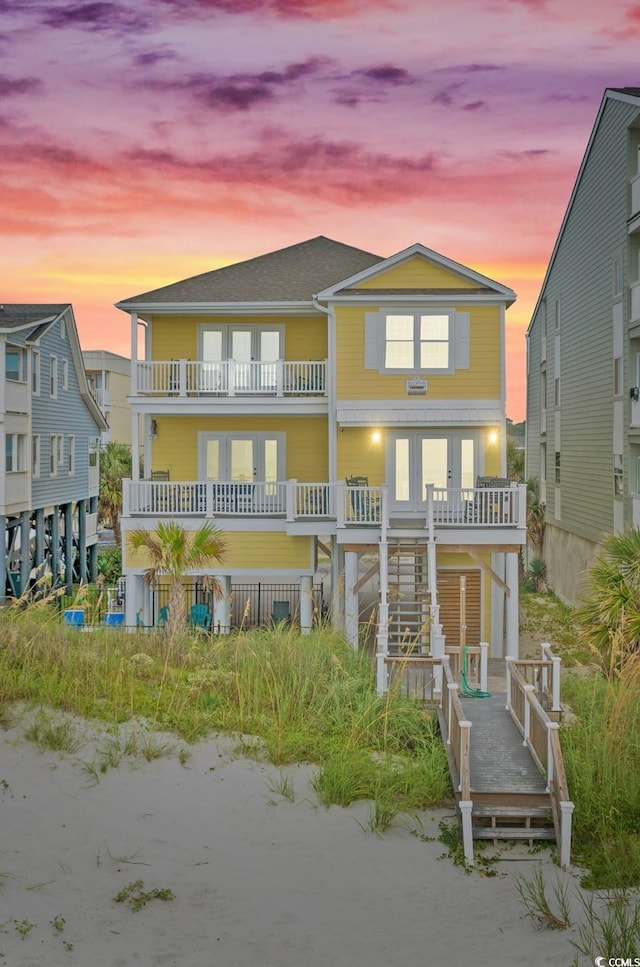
(515, 832)
(502, 811)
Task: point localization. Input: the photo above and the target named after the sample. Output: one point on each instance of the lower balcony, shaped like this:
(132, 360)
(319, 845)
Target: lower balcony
(335, 505)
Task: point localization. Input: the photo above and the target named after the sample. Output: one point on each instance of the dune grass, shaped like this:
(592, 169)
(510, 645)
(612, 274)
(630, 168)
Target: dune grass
(307, 698)
(602, 758)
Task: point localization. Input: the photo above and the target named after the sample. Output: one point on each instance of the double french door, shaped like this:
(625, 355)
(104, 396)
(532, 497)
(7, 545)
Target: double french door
(248, 470)
(253, 351)
(416, 458)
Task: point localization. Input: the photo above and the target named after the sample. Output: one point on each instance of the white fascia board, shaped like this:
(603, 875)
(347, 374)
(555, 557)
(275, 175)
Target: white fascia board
(608, 95)
(230, 405)
(420, 300)
(215, 308)
(49, 320)
(428, 413)
(404, 255)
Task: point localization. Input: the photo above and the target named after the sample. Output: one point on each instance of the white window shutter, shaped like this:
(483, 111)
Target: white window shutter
(373, 340)
(461, 340)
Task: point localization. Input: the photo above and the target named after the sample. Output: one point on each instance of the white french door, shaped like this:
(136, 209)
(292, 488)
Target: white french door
(416, 458)
(254, 351)
(242, 457)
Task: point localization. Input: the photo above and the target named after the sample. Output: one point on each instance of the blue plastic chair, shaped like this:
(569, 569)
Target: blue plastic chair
(163, 616)
(200, 617)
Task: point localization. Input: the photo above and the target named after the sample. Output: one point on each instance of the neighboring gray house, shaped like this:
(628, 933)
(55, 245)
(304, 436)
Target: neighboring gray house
(51, 428)
(583, 354)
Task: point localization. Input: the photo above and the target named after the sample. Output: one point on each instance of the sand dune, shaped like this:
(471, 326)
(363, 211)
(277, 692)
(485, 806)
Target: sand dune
(258, 881)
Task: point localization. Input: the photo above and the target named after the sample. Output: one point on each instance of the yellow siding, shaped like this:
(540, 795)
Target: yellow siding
(248, 550)
(480, 381)
(417, 273)
(358, 455)
(176, 446)
(176, 337)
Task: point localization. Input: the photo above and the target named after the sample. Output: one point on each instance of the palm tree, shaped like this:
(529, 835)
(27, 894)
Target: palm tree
(174, 552)
(115, 464)
(610, 614)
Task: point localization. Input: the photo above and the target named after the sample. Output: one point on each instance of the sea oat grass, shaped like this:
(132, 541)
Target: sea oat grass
(305, 697)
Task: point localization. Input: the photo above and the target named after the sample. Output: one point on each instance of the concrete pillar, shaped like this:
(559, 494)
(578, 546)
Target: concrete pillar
(68, 547)
(337, 586)
(133, 599)
(512, 609)
(82, 541)
(497, 607)
(222, 608)
(54, 531)
(3, 558)
(351, 610)
(25, 549)
(306, 603)
(39, 545)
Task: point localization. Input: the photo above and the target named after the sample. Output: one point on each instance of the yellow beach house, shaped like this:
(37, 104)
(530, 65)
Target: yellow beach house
(321, 403)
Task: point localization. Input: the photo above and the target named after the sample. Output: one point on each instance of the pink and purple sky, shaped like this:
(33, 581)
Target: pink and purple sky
(144, 142)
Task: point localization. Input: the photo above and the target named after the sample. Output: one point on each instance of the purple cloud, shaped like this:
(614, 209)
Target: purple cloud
(474, 106)
(283, 9)
(10, 86)
(387, 74)
(95, 16)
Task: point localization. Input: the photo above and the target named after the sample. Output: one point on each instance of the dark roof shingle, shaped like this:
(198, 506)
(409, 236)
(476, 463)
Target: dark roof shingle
(15, 315)
(292, 274)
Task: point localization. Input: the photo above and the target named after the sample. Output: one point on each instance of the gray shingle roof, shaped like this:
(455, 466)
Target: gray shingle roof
(633, 91)
(292, 274)
(16, 315)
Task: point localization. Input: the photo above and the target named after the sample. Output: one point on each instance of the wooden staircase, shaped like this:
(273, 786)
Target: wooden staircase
(505, 760)
(409, 597)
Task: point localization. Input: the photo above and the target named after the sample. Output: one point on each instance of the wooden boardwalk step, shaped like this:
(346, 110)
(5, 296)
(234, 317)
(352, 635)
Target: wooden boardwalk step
(514, 832)
(506, 811)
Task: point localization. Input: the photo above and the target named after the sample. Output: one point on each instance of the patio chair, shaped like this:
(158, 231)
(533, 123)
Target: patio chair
(163, 616)
(280, 611)
(160, 475)
(200, 617)
(365, 505)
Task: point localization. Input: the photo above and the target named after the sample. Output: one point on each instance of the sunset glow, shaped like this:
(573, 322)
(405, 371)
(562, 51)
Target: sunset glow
(144, 143)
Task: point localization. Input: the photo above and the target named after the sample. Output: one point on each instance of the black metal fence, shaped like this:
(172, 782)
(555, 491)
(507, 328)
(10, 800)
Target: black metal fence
(252, 605)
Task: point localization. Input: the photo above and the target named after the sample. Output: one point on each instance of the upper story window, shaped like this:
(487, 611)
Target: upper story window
(63, 330)
(417, 341)
(35, 455)
(243, 343)
(618, 278)
(72, 455)
(557, 314)
(35, 372)
(14, 365)
(617, 375)
(65, 374)
(53, 376)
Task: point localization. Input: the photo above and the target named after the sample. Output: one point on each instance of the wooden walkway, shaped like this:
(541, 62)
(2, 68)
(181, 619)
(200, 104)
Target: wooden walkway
(500, 763)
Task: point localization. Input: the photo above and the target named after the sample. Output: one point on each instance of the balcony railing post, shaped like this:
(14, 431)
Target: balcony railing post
(527, 714)
(341, 497)
(484, 665)
(507, 662)
(291, 502)
(555, 683)
(522, 507)
(208, 498)
(231, 377)
(280, 377)
(550, 761)
(182, 377)
(126, 503)
(430, 523)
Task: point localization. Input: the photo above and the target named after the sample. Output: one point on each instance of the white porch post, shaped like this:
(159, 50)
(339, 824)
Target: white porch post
(147, 608)
(222, 607)
(133, 599)
(383, 620)
(351, 612)
(337, 585)
(306, 603)
(512, 633)
(497, 607)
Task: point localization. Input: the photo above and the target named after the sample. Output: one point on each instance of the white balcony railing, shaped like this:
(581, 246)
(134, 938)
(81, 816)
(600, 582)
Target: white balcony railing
(346, 506)
(185, 377)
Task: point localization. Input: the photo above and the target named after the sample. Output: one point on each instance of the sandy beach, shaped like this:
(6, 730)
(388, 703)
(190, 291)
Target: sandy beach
(257, 880)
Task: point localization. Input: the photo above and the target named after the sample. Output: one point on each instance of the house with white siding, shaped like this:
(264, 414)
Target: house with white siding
(109, 379)
(50, 427)
(583, 354)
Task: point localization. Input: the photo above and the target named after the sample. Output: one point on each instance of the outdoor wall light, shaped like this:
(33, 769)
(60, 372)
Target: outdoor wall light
(153, 428)
(493, 437)
(376, 436)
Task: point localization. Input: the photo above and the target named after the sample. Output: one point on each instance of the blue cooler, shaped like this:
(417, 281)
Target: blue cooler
(75, 617)
(114, 619)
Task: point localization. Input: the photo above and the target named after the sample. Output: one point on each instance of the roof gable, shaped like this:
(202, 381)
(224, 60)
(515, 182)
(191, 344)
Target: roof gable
(417, 270)
(291, 274)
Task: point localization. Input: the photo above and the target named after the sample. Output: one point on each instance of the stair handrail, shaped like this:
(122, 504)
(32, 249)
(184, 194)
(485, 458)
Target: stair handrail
(458, 739)
(541, 738)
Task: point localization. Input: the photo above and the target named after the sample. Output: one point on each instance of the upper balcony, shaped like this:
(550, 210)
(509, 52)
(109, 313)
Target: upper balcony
(186, 378)
(473, 515)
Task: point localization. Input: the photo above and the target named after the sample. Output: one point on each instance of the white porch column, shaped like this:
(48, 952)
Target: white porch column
(337, 586)
(497, 607)
(512, 609)
(222, 607)
(351, 611)
(133, 599)
(306, 603)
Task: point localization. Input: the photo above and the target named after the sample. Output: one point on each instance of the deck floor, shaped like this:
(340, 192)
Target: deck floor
(500, 763)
